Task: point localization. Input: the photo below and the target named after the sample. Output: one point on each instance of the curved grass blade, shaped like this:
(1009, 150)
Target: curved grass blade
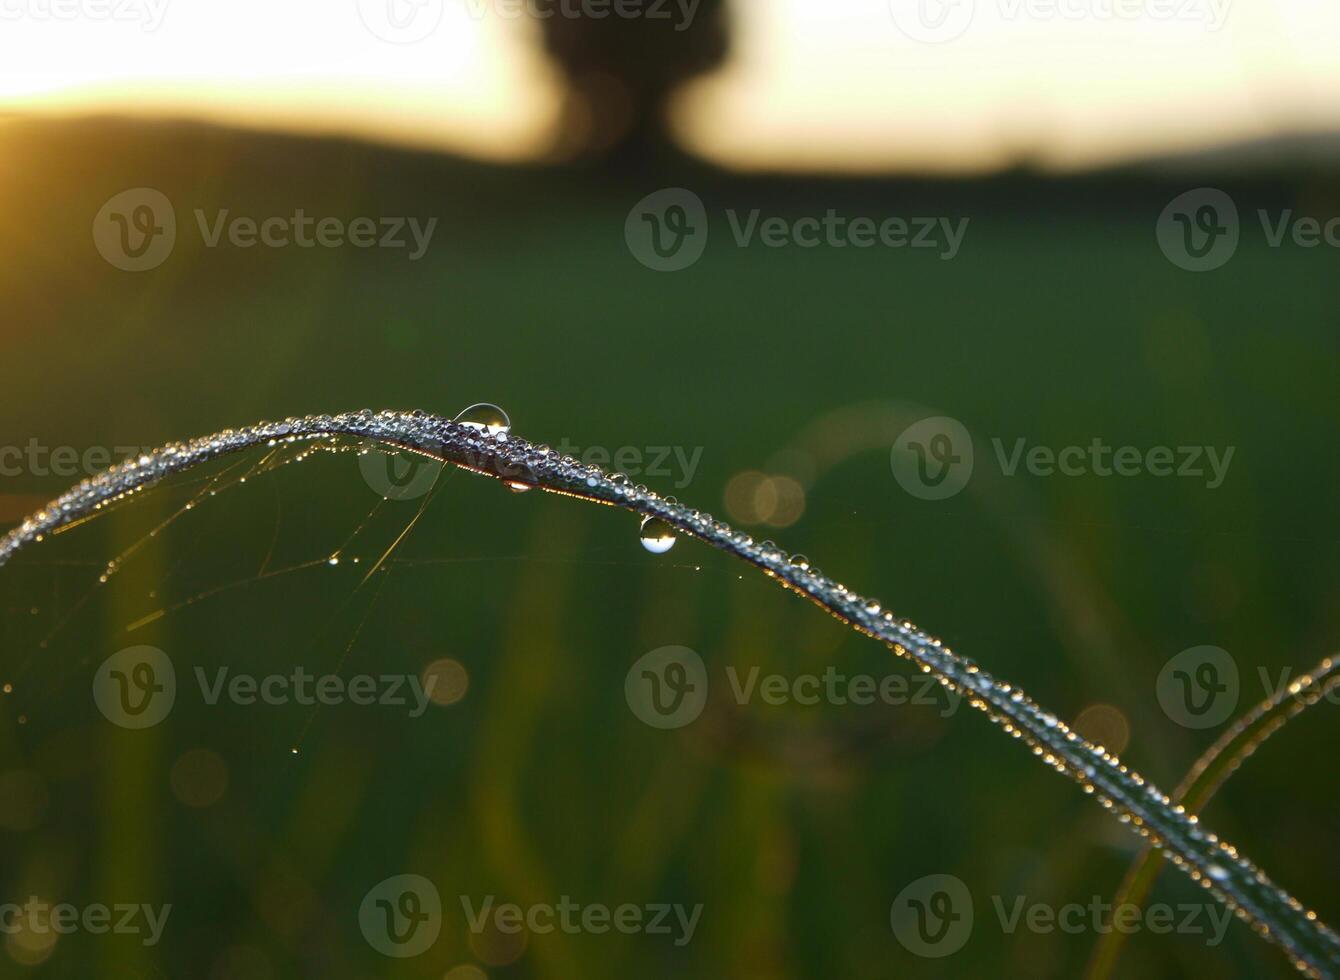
(1203, 780)
(1217, 866)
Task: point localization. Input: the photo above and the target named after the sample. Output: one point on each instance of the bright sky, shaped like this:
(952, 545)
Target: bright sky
(939, 84)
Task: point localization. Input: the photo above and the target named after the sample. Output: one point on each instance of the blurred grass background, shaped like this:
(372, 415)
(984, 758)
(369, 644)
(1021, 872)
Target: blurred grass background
(795, 827)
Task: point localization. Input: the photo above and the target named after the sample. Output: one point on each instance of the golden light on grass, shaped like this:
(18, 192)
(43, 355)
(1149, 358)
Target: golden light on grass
(759, 498)
(28, 946)
(446, 681)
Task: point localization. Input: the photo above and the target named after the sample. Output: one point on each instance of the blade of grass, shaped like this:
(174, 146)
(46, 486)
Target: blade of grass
(1214, 864)
(1206, 775)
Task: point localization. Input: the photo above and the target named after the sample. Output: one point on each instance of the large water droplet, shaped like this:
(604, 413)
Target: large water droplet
(657, 536)
(485, 416)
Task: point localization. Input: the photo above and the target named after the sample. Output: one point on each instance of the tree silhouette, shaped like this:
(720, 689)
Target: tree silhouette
(622, 70)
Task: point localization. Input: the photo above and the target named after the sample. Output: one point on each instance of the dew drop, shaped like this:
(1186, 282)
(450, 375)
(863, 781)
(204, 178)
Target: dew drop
(657, 536)
(486, 416)
(518, 487)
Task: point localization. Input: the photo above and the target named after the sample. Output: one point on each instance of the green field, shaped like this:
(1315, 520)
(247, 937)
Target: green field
(794, 826)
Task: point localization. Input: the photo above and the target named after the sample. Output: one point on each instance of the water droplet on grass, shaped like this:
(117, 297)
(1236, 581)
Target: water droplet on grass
(486, 416)
(657, 536)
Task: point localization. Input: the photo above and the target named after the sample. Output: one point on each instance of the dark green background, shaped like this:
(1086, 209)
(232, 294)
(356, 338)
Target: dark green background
(1059, 321)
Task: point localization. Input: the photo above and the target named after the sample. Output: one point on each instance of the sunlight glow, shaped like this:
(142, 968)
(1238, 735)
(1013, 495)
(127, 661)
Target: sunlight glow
(474, 84)
(829, 84)
(1056, 83)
